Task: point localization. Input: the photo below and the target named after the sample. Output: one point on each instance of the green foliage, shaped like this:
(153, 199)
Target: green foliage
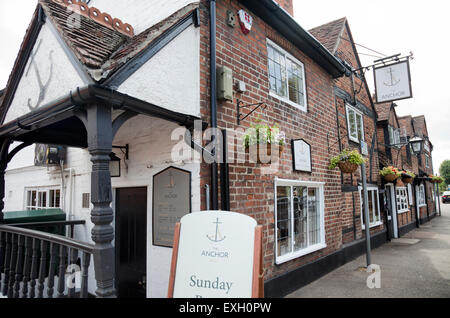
(346, 155)
(263, 134)
(409, 173)
(390, 170)
(444, 171)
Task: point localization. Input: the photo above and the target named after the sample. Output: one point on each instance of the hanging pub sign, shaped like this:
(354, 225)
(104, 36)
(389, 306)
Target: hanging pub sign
(216, 254)
(301, 152)
(393, 82)
(171, 201)
(246, 21)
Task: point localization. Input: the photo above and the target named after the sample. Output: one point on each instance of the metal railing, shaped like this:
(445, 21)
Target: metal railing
(30, 261)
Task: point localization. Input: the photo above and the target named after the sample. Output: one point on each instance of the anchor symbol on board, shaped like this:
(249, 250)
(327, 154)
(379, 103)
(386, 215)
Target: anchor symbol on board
(42, 87)
(217, 237)
(393, 80)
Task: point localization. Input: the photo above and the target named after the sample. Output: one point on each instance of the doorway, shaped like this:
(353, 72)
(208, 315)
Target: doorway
(131, 242)
(391, 211)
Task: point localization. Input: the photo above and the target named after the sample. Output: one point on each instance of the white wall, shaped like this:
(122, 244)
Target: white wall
(150, 145)
(171, 79)
(64, 76)
(140, 14)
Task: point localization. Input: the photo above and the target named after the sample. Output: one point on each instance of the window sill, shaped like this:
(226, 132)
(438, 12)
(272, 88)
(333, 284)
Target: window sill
(372, 225)
(288, 101)
(421, 205)
(402, 211)
(289, 257)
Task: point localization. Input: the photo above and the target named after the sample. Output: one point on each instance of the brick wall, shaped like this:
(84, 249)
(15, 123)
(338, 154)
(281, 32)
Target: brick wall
(351, 206)
(252, 191)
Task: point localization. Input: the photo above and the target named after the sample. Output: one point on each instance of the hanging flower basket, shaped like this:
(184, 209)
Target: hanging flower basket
(408, 177)
(268, 152)
(436, 179)
(347, 167)
(390, 174)
(262, 135)
(347, 161)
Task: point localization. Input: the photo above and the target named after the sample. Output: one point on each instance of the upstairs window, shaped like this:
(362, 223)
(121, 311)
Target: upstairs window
(286, 77)
(355, 124)
(394, 137)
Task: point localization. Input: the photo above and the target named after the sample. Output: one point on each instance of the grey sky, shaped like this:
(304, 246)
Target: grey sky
(387, 26)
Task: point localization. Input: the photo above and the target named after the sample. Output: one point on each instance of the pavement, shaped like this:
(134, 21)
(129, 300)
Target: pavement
(414, 266)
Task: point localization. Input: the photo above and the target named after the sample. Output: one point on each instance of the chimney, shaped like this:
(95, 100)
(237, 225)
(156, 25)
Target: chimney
(287, 5)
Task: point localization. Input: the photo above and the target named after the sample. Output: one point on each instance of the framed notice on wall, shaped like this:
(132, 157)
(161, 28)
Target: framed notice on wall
(171, 201)
(393, 82)
(301, 152)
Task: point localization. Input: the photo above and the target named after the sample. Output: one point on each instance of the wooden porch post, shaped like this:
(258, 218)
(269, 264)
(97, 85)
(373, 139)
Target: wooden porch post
(4, 147)
(100, 147)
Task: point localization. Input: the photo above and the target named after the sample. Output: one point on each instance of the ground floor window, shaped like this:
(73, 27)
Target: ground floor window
(43, 198)
(421, 201)
(299, 218)
(402, 199)
(374, 207)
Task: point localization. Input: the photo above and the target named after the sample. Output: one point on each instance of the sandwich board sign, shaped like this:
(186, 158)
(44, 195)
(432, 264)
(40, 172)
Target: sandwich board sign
(216, 255)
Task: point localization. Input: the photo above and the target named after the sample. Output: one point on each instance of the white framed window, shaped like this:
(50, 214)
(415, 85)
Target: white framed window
(299, 219)
(286, 77)
(426, 146)
(410, 196)
(427, 161)
(421, 201)
(374, 207)
(355, 124)
(402, 199)
(42, 198)
(394, 136)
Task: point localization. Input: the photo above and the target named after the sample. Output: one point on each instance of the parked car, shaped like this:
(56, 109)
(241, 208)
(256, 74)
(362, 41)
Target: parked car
(446, 197)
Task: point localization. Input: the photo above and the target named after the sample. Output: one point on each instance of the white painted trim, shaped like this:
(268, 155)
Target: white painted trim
(370, 188)
(295, 60)
(347, 107)
(320, 186)
(303, 252)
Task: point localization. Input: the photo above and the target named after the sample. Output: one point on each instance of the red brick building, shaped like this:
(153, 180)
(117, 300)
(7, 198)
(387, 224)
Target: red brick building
(324, 106)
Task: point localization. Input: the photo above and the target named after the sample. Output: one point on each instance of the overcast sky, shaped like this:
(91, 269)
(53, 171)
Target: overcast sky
(386, 26)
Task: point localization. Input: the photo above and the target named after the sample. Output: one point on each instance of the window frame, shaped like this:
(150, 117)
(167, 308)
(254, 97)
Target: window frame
(320, 193)
(421, 195)
(369, 190)
(41, 192)
(349, 108)
(402, 200)
(289, 56)
(427, 161)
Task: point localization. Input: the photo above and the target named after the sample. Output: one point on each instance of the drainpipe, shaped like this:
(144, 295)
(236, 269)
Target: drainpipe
(213, 92)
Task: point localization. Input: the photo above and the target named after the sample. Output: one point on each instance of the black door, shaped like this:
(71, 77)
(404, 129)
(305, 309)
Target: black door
(131, 242)
(388, 209)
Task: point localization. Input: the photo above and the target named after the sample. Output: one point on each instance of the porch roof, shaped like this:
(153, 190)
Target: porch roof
(61, 121)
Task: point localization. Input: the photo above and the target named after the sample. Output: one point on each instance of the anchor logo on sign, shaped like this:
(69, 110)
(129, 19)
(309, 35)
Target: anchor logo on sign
(393, 80)
(217, 237)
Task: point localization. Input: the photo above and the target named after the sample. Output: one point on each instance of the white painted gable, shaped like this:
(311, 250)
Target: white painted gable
(141, 14)
(48, 75)
(171, 78)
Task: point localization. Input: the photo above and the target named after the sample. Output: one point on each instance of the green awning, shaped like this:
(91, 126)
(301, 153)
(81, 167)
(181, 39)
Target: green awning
(32, 216)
